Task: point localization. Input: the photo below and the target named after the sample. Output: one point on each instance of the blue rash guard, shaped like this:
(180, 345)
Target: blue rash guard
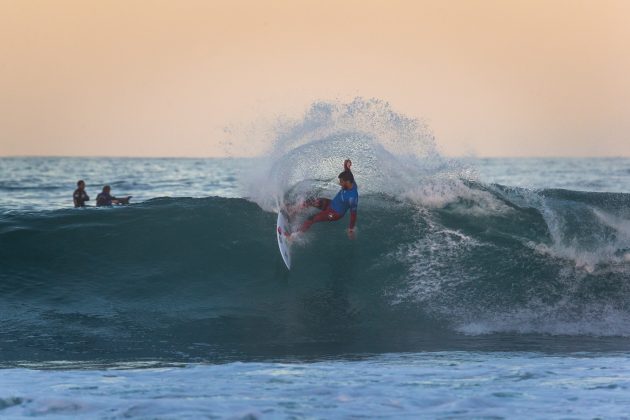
(335, 209)
(346, 200)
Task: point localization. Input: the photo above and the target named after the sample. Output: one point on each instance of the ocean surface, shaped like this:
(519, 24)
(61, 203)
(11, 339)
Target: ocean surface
(475, 288)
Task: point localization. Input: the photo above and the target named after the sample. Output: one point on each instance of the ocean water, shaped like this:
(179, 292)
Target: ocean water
(476, 288)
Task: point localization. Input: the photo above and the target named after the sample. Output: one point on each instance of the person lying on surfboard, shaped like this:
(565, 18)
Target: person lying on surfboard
(105, 199)
(332, 210)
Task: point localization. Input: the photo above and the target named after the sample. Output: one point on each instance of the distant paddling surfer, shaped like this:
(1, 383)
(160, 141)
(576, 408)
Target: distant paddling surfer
(80, 196)
(332, 210)
(105, 199)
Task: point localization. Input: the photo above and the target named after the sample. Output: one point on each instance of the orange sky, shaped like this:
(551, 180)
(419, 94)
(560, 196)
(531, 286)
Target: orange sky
(164, 78)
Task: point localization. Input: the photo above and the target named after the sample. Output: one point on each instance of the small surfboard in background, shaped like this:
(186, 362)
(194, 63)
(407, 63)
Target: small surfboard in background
(124, 200)
(283, 231)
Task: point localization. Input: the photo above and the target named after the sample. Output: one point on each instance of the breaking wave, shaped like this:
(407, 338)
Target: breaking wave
(439, 255)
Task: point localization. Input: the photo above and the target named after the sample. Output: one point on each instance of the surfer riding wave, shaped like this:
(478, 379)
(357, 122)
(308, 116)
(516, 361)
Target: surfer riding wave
(332, 210)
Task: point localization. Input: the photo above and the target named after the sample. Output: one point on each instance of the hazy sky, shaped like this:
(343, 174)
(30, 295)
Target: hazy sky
(164, 78)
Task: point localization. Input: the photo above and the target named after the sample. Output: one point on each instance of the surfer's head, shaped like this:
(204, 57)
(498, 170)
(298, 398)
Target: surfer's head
(81, 184)
(346, 179)
(106, 189)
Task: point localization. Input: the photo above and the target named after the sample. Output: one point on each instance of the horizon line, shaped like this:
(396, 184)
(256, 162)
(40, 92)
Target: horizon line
(467, 156)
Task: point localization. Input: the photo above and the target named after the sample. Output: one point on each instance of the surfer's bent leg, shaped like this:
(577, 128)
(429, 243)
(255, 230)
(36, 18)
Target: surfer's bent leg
(320, 203)
(327, 215)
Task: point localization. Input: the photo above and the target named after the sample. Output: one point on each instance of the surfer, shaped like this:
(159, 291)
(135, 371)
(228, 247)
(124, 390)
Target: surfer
(105, 199)
(80, 196)
(332, 210)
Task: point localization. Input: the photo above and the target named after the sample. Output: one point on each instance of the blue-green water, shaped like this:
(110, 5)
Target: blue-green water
(475, 288)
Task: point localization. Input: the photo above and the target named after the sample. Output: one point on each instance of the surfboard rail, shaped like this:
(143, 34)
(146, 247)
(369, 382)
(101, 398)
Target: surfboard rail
(283, 231)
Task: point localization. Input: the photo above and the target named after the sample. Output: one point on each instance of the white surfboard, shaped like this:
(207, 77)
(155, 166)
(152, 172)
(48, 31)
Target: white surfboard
(283, 229)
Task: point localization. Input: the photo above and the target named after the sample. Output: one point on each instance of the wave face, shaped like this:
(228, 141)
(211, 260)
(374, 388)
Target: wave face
(441, 261)
(201, 278)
